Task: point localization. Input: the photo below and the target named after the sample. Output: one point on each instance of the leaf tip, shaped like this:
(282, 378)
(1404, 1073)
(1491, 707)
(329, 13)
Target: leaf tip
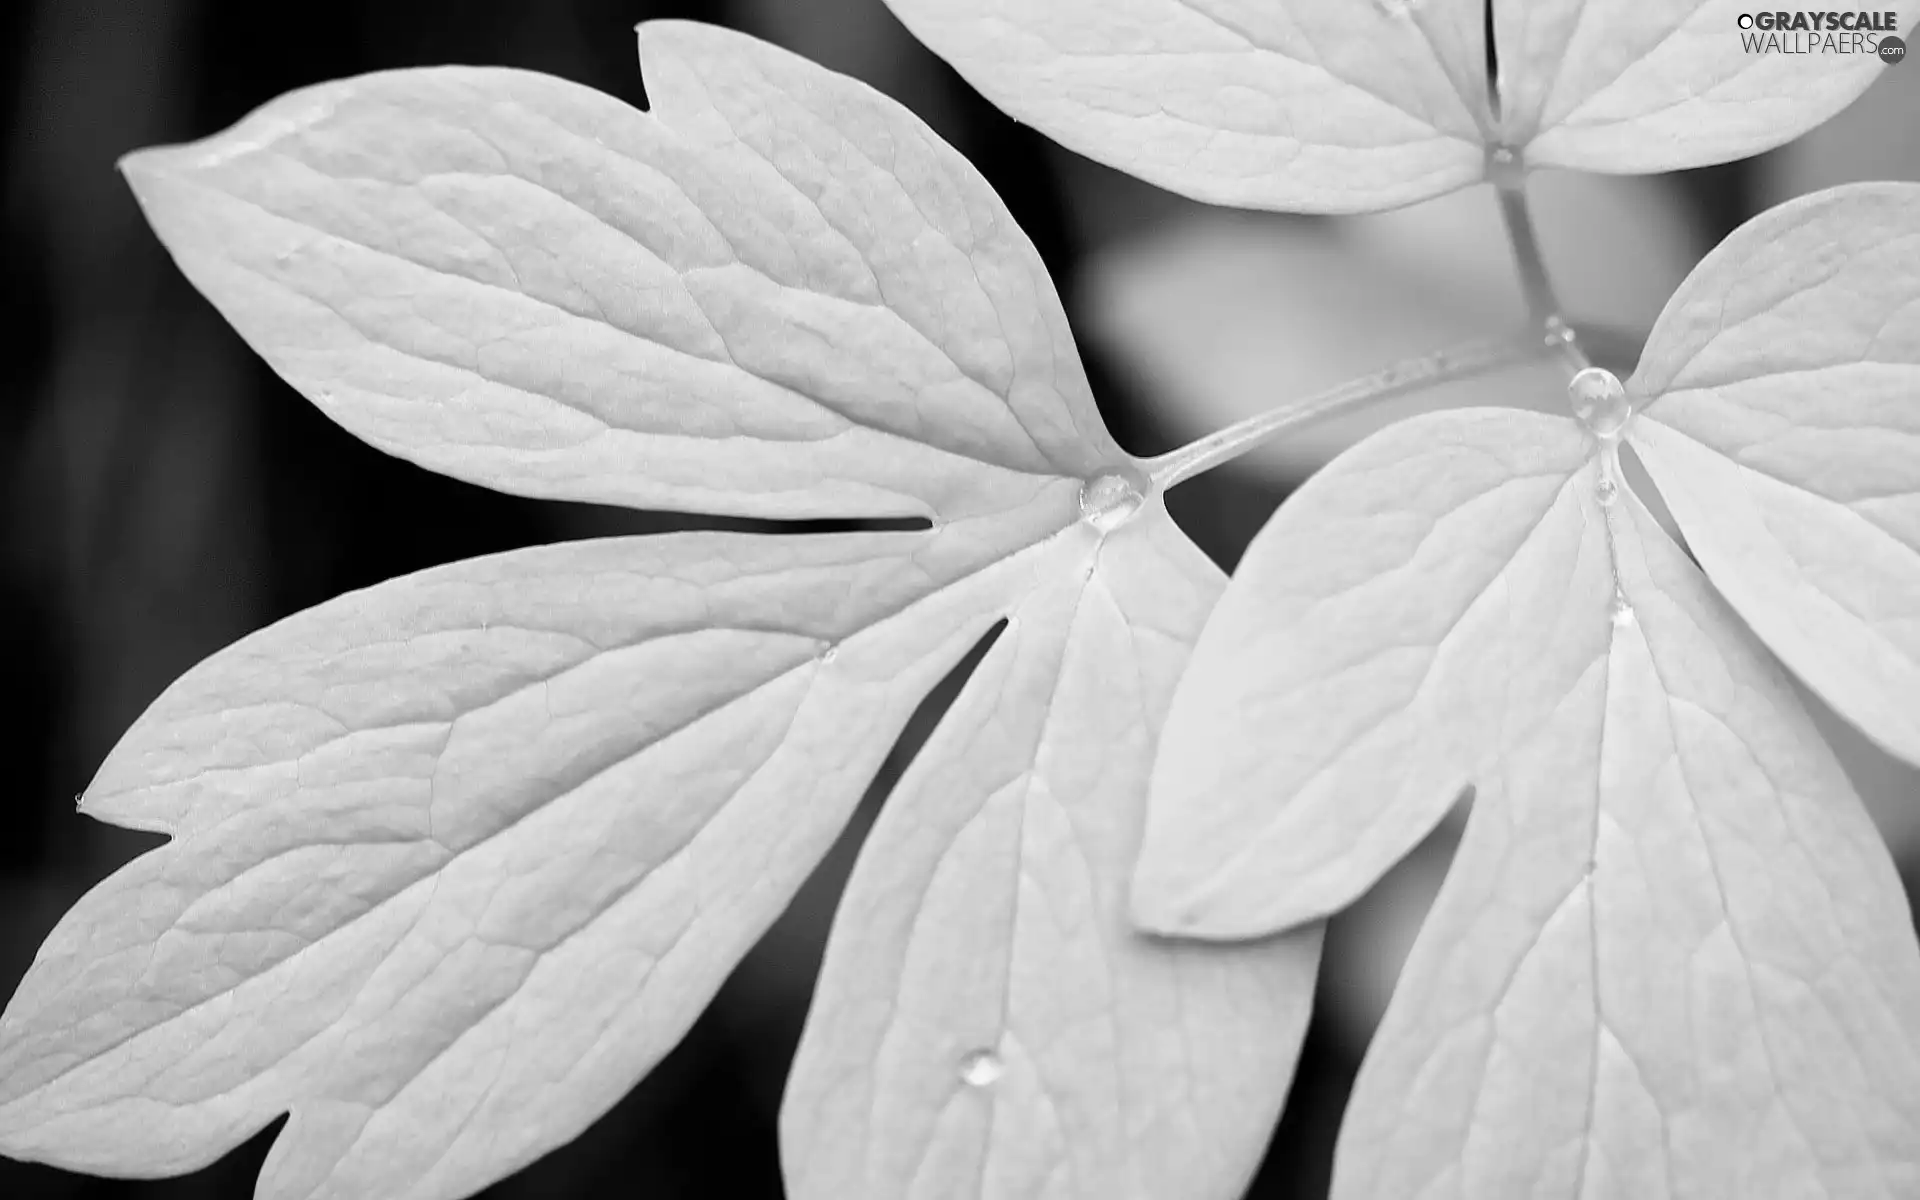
(110, 808)
(138, 166)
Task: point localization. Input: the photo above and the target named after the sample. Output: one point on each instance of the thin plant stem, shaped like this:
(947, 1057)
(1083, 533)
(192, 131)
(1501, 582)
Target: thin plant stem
(1457, 362)
(1543, 307)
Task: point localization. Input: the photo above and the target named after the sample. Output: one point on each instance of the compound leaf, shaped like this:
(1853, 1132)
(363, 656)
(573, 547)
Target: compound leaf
(1354, 105)
(1628, 86)
(456, 859)
(986, 1022)
(774, 294)
(1672, 958)
(1400, 619)
(1781, 425)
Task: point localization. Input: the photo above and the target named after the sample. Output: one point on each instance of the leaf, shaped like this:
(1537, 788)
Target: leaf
(456, 859)
(1398, 622)
(1779, 422)
(987, 917)
(766, 296)
(431, 918)
(1672, 958)
(1627, 86)
(1325, 107)
(1353, 105)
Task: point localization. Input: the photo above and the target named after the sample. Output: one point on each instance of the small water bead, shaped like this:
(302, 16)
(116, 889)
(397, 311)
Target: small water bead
(1620, 611)
(1558, 333)
(1503, 167)
(1606, 491)
(982, 1068)
(1600, 402)
(1109, 500)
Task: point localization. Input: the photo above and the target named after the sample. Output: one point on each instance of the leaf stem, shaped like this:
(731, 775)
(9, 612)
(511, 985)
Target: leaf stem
(1543, 307)
(1456, 362)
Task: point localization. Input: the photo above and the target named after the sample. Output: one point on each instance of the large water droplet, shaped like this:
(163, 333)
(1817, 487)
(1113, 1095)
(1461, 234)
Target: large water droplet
(1620, 611)
(981, 1069)
(1109, 499)
(1606, 491)
(1600, 402)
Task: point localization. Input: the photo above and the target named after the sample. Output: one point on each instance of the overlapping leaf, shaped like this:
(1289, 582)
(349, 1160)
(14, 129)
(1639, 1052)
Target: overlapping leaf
(456, 859)
(1348, 105)
(1781, 397)
(1399, 620)
(1672, 957)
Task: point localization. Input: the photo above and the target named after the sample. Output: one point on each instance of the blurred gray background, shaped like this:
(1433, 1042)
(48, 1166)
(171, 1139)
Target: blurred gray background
(168, 494)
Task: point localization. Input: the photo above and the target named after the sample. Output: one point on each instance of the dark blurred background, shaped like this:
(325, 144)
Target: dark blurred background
(167, 494)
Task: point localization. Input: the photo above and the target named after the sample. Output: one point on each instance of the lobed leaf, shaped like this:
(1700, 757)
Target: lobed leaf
(1334, 106)
(1672, 957)
(775, 294)
(1779, 421)
(1352, 105)
(455, 860)
(1397, 624)
(1627, 86)
(449, 921)
(986, 1022)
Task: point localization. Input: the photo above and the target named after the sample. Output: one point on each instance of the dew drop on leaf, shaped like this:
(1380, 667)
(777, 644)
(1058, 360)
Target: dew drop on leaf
(1504, 169)
(981, 1068)
(1559, 333)
(1600, 402)
(1606, 490)
(1110, 498)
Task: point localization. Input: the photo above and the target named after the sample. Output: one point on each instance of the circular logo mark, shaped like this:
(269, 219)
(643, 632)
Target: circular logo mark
(1892, 50)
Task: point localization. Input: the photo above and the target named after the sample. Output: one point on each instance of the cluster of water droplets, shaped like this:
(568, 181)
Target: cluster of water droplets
(1109, 499)
(1600, 404)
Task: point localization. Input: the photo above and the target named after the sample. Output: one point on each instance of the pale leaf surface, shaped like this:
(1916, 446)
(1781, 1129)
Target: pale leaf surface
(1781, 421)
(1672, 959)
(1657, 85)
(987, 1023)
(1325, 105)
(455, 860)
(1401, 618)
(776, 293)
(1357, 105)
(447, 924)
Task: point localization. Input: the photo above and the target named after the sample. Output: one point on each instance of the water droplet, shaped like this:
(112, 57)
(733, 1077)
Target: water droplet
(1606, 490)
(1503, 167)
(1559, 333)
(1599, 402)
(1620, 611)
(1109, 500)
(832, 652)
(981, 1068)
